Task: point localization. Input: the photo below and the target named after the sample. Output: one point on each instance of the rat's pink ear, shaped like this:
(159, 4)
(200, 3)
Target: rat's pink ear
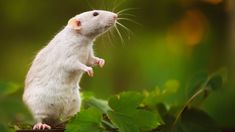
(75, 23)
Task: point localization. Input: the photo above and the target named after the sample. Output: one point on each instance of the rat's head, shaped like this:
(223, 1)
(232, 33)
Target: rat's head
(93, 23)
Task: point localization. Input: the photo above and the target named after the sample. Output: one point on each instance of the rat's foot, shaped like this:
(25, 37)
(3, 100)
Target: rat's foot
(100, 62)
(89, 71)
(41, 126)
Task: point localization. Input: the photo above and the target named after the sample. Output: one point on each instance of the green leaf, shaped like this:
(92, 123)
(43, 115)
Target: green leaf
(146, 119)
(127, 117)
(124, 122)
(166, 96)
(86, 121)
(126, 102)
(100, 104)
(108, 125)
(137, 121)
(152, 97)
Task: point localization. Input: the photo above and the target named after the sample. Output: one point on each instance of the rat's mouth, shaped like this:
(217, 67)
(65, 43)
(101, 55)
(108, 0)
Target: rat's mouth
(110, 24)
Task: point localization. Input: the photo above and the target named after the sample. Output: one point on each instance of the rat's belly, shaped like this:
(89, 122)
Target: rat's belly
(68, 103)
(53, 103)
(72, 104)
(66, 94)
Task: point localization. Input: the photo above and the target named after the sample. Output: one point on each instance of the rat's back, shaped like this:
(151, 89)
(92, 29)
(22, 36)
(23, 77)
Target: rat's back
(49, 89)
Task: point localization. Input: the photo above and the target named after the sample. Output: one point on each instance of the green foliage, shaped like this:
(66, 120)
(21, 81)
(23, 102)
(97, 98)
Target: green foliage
(123, 112)
(126, 102)
(87, 121)
(127, 117)
(164, 95)
(148, 110)
(12, 110)
(100, 104)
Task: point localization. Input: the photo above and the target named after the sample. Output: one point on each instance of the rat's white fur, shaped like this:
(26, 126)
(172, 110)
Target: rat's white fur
(51, 85)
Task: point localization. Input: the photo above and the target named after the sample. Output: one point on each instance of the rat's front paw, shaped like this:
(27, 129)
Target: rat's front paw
(89, 71)
(100, 62)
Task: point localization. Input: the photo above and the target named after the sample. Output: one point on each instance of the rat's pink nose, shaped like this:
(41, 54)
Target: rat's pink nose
(115, 17)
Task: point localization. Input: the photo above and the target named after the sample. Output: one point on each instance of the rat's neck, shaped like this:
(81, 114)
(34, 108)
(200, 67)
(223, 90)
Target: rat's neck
(76, 35)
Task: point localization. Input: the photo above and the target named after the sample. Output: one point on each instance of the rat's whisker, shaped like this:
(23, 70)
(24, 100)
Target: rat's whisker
(110, 37)
(130, 20)
(128, 30)
(124, 10)
(119, 33)
(126, 14)
(102, 40)
(112, 33)
(109, 40)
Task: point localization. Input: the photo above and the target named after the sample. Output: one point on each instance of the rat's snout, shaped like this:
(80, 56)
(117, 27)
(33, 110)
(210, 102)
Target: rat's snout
(115, 16)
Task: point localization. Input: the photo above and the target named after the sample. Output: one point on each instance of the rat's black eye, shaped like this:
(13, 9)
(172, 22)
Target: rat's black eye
(95, 14)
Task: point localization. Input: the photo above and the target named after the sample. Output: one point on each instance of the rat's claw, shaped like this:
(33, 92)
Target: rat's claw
(89, 71)
(100, 62)
(41, 126)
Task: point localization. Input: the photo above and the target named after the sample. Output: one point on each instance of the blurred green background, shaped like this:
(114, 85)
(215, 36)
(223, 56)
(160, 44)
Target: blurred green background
(170, 40)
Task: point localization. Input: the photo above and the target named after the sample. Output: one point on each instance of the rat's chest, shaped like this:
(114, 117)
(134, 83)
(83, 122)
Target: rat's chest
(82, 54)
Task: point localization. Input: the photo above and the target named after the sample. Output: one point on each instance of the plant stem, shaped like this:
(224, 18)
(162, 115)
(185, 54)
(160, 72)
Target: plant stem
(185, 105)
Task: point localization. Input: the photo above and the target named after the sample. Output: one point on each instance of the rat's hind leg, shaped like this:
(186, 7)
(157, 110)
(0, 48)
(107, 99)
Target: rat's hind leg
(44, 112)
(73, 107)
(45, 119)
(41, 126)
(46, 123)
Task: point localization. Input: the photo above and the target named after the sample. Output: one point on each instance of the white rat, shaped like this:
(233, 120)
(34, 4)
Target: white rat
(51, 86)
